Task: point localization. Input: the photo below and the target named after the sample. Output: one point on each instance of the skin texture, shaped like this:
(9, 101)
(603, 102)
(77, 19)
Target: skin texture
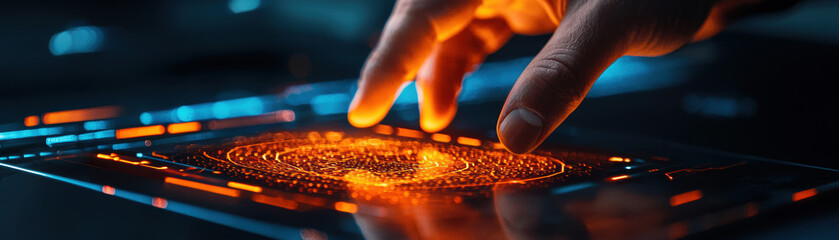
(436, 42)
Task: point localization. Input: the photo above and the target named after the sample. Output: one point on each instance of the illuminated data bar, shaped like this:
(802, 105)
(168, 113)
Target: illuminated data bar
(81, 115)
(404, 132)
(37, 132)
(96, 125)
(268, 118)
(346, 207)
(204, 187)
(97, 135)
(140, 131)
(242, 107)
(245, 187)
(685, 198)
(804, 194)
(441, 137)
(31, 121)
(176, 128)
(62, 139)
(383, 129)
(469, 141)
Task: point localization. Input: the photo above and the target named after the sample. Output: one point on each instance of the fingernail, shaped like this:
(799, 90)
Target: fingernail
(520, 130)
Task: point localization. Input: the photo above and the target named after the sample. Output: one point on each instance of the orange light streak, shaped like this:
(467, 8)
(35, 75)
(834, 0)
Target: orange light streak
(245, 187)
(804, 194)
(31, 121)
(109, 190)
(615, 178)
(159, 155)
(275, 201)
(685, 198)
(469, 141)
(203, 187)
(404, 132)
(498, 145)
(140, 163)
(81, 115)
(346, 207)
(383, 129)
(618, 159)
(441, 137)
(140, 131)
(176, 128)
(670, 174)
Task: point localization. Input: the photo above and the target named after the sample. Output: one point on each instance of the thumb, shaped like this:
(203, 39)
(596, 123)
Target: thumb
(587, 41)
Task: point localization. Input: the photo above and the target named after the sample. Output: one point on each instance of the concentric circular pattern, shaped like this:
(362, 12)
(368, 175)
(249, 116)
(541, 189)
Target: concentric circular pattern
(329, 162)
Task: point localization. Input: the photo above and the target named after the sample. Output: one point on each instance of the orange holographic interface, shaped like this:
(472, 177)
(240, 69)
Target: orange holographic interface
(375, 167)
(186, 127)
(81, 115)
(140, 131)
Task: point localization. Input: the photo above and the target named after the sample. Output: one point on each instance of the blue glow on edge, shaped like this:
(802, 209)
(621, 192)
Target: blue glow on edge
(242, 107)
(240, 6)
(335, 103)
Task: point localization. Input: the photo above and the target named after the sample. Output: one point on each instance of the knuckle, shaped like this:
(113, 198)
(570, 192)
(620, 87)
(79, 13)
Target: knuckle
(557, 79)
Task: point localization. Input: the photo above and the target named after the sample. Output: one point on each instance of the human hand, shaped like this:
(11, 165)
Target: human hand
(438, 41)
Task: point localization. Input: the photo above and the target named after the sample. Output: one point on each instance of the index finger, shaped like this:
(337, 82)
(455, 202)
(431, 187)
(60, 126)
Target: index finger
(409, 35)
